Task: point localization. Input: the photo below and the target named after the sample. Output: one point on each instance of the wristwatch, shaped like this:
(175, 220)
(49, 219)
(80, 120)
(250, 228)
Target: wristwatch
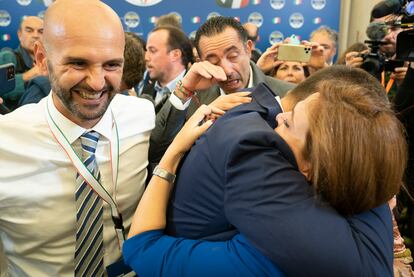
(164, 174)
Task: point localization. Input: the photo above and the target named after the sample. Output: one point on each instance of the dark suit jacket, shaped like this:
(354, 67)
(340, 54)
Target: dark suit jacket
(36, 90)
(241, 175)
(149, 91)
(170, 120)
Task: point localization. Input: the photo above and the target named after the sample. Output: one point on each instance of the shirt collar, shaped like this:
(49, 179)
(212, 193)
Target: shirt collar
(171, 85)
(73, 131)
(249, 84)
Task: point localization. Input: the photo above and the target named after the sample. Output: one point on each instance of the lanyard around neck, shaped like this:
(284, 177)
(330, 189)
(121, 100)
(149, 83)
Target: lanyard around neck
(86, 174)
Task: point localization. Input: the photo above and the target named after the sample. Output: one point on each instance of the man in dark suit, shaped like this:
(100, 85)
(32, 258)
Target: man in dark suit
(168, 55)
(241, 177)
(225, 69)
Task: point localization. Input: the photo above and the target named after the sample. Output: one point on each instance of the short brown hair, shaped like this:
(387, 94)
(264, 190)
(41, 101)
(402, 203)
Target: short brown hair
(178, 40)
(340, 73)
(170, 19)
(134, 65)
(355, 144)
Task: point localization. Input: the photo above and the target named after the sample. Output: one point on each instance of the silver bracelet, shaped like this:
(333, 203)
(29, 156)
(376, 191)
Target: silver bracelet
(164, 174)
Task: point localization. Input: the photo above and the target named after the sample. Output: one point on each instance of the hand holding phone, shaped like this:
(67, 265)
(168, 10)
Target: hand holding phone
(7, 78)
(293, 52)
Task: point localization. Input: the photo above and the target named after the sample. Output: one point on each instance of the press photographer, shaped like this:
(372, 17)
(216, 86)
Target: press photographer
(399, 40)
(388, 19)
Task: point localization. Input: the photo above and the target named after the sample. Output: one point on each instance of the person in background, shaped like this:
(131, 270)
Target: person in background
(290, 71)
(134, 64)
(251, 173)
(390, 80)
(37, 89)
(253, 35)
(168, 55)
(225, 69)
(59, 158)
(30, 31)
(358, 48)
(328, 39)
(404, 106)
(170, 19)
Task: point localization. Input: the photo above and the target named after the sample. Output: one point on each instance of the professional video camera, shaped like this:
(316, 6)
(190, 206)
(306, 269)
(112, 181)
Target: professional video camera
(405, 39)
(375, 62)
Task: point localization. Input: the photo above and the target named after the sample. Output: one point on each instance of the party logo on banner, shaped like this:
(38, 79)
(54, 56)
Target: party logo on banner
(47, 2)
(131, 19)
(318, 4)
(277, 4)
(255, 18)
(143, 3)
(296, 20)
(232, 4)
(24, 2)
(5, 18)
(276, 37)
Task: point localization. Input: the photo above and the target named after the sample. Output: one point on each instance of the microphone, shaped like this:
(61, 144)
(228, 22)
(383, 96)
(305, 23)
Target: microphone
(386, 7)
(376, 31)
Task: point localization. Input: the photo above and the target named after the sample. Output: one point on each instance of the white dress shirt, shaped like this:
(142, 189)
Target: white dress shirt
(37, 184)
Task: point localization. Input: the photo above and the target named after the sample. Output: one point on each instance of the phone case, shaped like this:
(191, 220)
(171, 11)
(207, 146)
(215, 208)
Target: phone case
(292, 52)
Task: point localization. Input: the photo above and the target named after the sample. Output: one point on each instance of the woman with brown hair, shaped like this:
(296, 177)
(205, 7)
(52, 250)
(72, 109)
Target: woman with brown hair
(344, 139)
(290, 71)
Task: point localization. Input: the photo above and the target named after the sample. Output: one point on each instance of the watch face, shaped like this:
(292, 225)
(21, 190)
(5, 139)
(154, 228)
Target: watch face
(164, 174)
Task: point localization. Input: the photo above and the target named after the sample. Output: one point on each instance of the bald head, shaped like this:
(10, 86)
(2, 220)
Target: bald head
(91, 19)
(252, 30)
(83, 54)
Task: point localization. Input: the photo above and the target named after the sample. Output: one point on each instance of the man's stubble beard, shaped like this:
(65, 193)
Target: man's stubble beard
(66, 98)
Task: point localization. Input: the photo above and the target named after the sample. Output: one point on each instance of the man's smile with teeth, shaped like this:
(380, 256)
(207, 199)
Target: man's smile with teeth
(89, 95)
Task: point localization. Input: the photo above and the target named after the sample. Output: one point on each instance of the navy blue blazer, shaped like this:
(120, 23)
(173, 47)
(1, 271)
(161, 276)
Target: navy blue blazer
(242, 176)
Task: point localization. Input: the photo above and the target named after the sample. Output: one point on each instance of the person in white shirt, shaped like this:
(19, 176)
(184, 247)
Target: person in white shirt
(41, 143)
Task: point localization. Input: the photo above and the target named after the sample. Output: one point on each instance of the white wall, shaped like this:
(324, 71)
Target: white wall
(355, 15)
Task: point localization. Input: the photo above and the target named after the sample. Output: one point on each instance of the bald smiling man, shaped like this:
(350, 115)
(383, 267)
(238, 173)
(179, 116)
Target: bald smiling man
(73, 165)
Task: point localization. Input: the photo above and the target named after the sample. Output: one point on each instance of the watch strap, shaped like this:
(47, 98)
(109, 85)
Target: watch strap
(164, 174)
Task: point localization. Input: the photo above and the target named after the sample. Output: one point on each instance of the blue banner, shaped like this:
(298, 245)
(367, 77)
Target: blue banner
(277, 19)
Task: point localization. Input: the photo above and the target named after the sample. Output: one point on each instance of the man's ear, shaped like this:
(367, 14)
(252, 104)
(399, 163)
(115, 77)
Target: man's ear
(176, 54)
(19, 35)
(249, 47)
(40, 58)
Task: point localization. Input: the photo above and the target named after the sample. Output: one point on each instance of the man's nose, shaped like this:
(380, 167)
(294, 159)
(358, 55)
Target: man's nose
(227, 66)
(36, 34)
(96, 78)
(147, 56)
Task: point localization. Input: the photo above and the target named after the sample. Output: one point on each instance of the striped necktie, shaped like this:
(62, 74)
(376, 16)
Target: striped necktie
(89, 223)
